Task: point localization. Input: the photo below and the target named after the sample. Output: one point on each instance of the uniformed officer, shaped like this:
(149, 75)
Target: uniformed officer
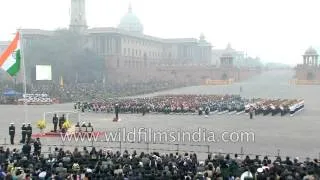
(144, 109)
(89, 127)
(12, 132)
(61, 121)
(37, 147)
(55, 122)
(117, 111)
(207, 110)
(77, 127)
(23, 133)
(251, 112)
(29, 132)
(83, 127)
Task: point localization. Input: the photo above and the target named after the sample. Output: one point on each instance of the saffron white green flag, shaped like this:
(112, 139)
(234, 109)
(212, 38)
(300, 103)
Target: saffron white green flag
(10, 59)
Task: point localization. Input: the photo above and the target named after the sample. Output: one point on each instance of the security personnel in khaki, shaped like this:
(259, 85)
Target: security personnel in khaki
(23, 133)
(12, 132)
(29, 132)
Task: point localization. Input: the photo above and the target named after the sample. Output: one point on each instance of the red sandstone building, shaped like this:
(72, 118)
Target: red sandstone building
(131, 56)
(309, 70)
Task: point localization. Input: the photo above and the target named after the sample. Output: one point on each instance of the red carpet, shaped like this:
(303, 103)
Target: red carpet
(58, 134)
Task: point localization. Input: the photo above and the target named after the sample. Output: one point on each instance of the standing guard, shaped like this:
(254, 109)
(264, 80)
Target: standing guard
(23, 133)
(116, 112)
(29, 132)
(251, 112)
(144, 109)
(37, 147)
(61, 121)
(12, 132)
(55, 121)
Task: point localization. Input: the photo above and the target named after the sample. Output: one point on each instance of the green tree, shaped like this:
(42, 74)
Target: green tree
(66, 52)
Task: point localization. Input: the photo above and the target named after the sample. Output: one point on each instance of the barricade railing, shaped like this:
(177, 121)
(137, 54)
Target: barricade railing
(303, 82)
(202, 150)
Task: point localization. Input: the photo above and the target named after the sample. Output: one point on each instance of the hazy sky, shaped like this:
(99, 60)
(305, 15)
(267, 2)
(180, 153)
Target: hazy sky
(275, 30)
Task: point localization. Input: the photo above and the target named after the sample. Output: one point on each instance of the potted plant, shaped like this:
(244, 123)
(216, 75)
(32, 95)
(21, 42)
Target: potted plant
(66, 125)
(41, 124)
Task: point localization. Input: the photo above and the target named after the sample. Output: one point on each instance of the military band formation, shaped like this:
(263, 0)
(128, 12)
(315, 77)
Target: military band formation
(195, 104)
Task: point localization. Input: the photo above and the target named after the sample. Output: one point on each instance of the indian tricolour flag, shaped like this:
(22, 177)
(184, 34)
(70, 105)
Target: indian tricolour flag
(10, 59)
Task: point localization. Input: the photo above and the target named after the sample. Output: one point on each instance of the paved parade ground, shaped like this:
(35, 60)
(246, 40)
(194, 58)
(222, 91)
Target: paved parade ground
(294, 136)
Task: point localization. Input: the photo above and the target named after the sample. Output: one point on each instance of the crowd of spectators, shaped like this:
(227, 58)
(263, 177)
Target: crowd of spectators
(87, 91)
(108, 165)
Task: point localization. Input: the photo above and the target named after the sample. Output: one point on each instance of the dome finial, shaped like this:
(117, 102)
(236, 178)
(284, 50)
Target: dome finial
(130, 8)
(202, 37)
(229, 45)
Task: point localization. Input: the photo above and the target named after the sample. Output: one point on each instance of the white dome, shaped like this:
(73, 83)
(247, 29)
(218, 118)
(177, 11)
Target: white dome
(130, 22)
(311, 51)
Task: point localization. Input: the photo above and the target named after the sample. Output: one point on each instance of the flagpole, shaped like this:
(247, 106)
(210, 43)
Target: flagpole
(24, 76)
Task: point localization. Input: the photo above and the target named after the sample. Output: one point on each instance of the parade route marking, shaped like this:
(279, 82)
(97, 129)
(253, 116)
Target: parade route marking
(232, 112)
(214, 112)
(241, 112)
(223, 112)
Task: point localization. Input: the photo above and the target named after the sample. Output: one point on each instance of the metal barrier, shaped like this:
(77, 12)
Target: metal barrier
(303, 82)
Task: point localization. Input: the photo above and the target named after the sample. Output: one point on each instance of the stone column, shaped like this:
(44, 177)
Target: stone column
(312, 60)
(108, 45)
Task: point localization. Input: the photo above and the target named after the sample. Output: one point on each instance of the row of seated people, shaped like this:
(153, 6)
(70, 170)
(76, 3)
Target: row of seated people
(84, 127)
(99, 164)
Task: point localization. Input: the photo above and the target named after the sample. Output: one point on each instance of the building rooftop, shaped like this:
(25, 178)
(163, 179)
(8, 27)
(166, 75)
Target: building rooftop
(311, 51)
(130, 22)
(36, 32)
